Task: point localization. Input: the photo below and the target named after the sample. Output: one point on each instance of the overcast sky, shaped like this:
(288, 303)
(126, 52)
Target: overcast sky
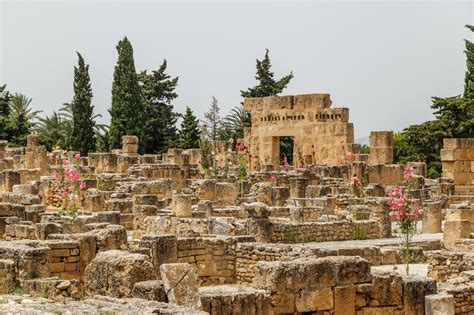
(382, 60)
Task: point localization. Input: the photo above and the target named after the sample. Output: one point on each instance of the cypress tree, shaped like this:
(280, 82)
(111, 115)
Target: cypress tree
(158, 91)
(4, 113)
(190, 134)
(267, 85)
(83, 136)
(127, 112)
(469, 76)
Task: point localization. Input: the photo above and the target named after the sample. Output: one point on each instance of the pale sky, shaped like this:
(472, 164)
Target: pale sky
(384, 60)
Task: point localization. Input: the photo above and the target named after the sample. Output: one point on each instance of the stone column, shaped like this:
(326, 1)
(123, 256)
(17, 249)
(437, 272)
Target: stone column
(181, 205)
(431, 222)
(31, 144)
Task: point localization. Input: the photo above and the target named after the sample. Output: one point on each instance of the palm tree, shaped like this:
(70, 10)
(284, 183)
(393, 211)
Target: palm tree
(53, 131)
(66, 113)
(20, 106)
(236, 121)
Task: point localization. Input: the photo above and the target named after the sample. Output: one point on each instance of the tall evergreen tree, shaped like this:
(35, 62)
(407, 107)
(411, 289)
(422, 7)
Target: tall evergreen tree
(267, 85)
(190, 134)
(4, 113)
(158, 91)
(127, 112)
(212, 126)
(469, 77)
(83, 135)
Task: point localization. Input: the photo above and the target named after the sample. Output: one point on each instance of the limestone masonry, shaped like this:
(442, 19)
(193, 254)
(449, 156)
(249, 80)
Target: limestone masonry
(153, 234)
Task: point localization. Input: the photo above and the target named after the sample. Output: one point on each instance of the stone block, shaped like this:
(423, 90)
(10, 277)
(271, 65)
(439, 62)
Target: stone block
(179, 281)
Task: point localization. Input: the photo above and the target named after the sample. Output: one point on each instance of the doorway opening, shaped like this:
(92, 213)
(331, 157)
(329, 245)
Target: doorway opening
(286, 150)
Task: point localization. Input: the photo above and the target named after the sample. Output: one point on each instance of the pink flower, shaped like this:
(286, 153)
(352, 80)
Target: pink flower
(77, 157)
(57, 177)
(65, 162)
(82, 185)
(272, 178)
(356, 182)
(408, 172)
(65, 193)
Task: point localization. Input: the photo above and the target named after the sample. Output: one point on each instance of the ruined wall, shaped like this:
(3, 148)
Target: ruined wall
(321, 134)
(214, 258)
(457, 157)
(445, 264)
(284, 232)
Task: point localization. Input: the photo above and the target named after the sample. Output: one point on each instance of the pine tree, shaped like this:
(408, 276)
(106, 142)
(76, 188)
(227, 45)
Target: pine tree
(267, 85)
(158, 91)
(127, 112)
(212, 126)
(4, 113)
(469, 77)
(83, 135)
(190, 134)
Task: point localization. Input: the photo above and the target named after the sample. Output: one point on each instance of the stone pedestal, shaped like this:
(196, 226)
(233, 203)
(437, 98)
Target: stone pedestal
(181, 205)
(432, 218)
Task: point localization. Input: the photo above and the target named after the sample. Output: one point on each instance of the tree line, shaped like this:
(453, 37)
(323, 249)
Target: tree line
(454, 118)
(142, 105)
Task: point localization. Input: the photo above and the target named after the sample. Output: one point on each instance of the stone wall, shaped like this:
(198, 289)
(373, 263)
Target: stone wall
(339, 285)
(214, 258)
(321, 134)
(65, 259)
(446, 264)
(457, 157)
(286, 232)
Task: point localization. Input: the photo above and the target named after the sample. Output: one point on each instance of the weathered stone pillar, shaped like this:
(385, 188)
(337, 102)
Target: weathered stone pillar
(181, 205)
(432, 218)
(129, 145)
(31, 144)
(381, 147)
(298, 188)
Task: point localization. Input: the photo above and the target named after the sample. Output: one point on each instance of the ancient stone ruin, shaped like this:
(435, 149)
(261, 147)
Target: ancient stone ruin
(150, 233)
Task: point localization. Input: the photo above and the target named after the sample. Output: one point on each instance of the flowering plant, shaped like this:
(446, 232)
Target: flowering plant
(272, 179)
(286, 165)
(69, 183)
(406, 211)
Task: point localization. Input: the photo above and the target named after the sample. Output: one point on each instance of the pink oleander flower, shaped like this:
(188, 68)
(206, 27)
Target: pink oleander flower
(408, 172)
(77, 157)
(356, 182)
(82, 185)
(65, 162)
(57, 177)
(272, 178)
(351, 157)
